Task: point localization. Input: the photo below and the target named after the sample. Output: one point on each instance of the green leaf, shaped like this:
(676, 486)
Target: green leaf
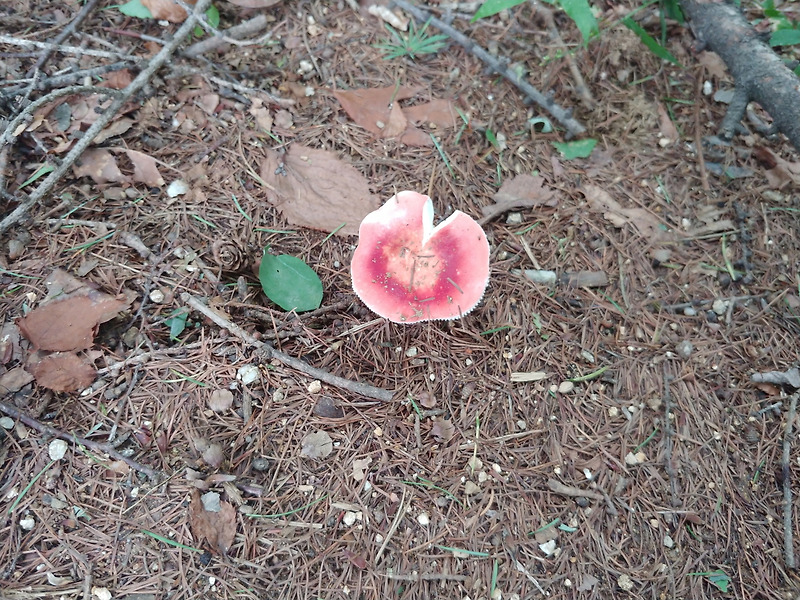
(289, 282)
(717, 578)
(212, 16)
(136, 9)
(177, 323)
(492, 7)
(580, 12)
(648, 41)
(492, 138)
(544, 122)
(576, 149)
(43, 170)
(785, 37)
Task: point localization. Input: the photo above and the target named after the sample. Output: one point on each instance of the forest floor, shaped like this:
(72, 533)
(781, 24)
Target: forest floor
(598, 436)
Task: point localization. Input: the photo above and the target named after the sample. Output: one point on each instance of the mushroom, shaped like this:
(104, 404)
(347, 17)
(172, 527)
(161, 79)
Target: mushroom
(407, 270)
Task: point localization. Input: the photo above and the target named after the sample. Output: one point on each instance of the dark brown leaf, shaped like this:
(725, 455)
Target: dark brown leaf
(443, 430)
(218, 528)
(14, 380)
(314, 188)
(100, 165)
(522, 191)
(61, 371)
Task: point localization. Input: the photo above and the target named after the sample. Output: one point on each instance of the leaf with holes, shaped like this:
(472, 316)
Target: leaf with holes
(290, 283)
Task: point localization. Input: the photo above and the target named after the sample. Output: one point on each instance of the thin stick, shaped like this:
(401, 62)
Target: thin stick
(120, 99)
(268, 351)
(788, 543)
(669, 467)
(255, 24)
(562, 115)
(13, 41)
(14, 412)
(64, 34)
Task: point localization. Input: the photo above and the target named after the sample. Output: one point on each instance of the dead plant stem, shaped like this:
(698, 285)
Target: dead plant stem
(786, 470)
(269, 352)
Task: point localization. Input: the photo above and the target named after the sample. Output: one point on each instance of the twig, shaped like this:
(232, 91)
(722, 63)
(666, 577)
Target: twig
(203, 22)
(14, 412)
(7, 39)
(64, 34)
(788, 543)
(401, 512)
(569, 490)
(668, 465)
(698, 139)
(184, 71)
(268, 351)
(66, 78)
(156, 63)
(555, 35)
(249, 27)
(562, 115)
(418, 577)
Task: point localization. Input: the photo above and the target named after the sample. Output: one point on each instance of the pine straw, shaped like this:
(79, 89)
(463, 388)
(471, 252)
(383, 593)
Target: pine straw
(710, 479)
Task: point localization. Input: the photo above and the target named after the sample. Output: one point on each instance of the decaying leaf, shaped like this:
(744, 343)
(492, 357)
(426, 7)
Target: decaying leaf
(665, 125)
(360, 466)
(115, 128)
(167, 10)
(216, 526)
(14, 380)
(378, 111)
(642, 220)
(220, 400)
(261, 114)
(145, 169)
(779, 172)
(522, 191)
(100, 165)
(254, 3)
(70, 322)
(443, 430)
(313, 188)
(61, 371)
(427, 400)
(327, 407)
(317, 444)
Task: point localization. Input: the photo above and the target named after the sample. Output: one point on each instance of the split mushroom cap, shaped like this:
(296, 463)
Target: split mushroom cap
(407, 270)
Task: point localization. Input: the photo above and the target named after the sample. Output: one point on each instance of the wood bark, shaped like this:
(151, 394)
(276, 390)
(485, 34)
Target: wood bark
(759, 74)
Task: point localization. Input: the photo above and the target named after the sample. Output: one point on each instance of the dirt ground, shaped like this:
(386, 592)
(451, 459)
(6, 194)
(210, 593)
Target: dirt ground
(596, 437)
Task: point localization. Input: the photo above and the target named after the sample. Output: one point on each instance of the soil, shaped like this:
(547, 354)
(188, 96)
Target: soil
(599, 436)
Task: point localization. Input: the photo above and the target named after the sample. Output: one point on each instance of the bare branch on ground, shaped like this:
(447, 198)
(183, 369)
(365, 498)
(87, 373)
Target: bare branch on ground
(560, 114)
(120, 99)
(268, 351)
(788, 542)
(15, 413)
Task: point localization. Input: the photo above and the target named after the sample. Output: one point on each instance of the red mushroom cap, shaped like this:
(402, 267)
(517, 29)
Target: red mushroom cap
(407, 270)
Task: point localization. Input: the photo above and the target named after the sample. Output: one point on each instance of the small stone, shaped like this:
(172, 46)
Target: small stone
(423, 519)
(248, 374)
(177, 188)
(549, 547)
(625, 583)
(411, 352)
(630, 459)
(157, 296)
(315, 387)
(349, 518)
(15, 249)
(471, 488)
(27, 523)
(684, 349)
(7, 423)
(565, 387)
(514, 218)
(613, 411)
(668, 541)
(719, 307)
(57, 449)
(689, 311)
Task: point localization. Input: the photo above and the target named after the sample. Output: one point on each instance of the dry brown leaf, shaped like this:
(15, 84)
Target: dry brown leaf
(317, 444)
(9, 343)
(779, 172)
(14, 380)
(642, 220)
(443, 430)
(61, 371)
(217, 527)
(255, 3)
(118, 80)
(100, 165)
(378, 111)
(220, 400)
(713, 64)
(60, 282)
(145, 169)
(167, 9)
(360, 467)
(71, 322)
(665, 124)
(314, 188)
(261, 114)
(427, 400)
(522, 191)
(115, 128)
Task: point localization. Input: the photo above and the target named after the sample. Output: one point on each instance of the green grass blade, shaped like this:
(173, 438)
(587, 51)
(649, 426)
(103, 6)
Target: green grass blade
(650, 42)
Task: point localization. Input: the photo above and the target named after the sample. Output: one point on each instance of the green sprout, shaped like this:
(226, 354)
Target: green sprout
(414, 44)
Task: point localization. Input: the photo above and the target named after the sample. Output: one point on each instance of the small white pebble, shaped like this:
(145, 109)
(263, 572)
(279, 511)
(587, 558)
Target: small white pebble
(248, 374)
(411, 352)
(315, 387)
(177, 188)
(625, 583)
(668, 541)
(57, 449)
(566, 387)
(349, 518)
(157, 296)
(27, 523)
(613, 411)
(423, 519)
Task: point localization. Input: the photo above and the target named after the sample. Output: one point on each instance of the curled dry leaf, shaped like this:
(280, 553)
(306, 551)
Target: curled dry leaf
(443, 430)
(14, 380)
(167, 10)
(522, 191)
(327, 407)
(648, 226)
(360, 466)
(100, 165)
(317, 444)
(314, 188)
(70, 322)
(145, 169)
(61, 371)
(217, 527)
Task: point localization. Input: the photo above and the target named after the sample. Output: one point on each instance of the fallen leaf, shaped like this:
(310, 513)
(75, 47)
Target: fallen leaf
(443, 430)
(648, 226)
(118, 80)
(117, 127)
(587, 583)
(326, 407)
(261, 114)
(14, 380)
(217, 527)
(71, 322)
(317, 444)
(427, 400)
(167, 10)
(779, 172)
(666, 126)
(100, 165)
(213, 455)
(378, 111)
(313, 188)
(220, 400)
(360, 466)
(9, 343)
(522, 191)
(713, 64)
(145, 169)
(60, 371)
(284, 119)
